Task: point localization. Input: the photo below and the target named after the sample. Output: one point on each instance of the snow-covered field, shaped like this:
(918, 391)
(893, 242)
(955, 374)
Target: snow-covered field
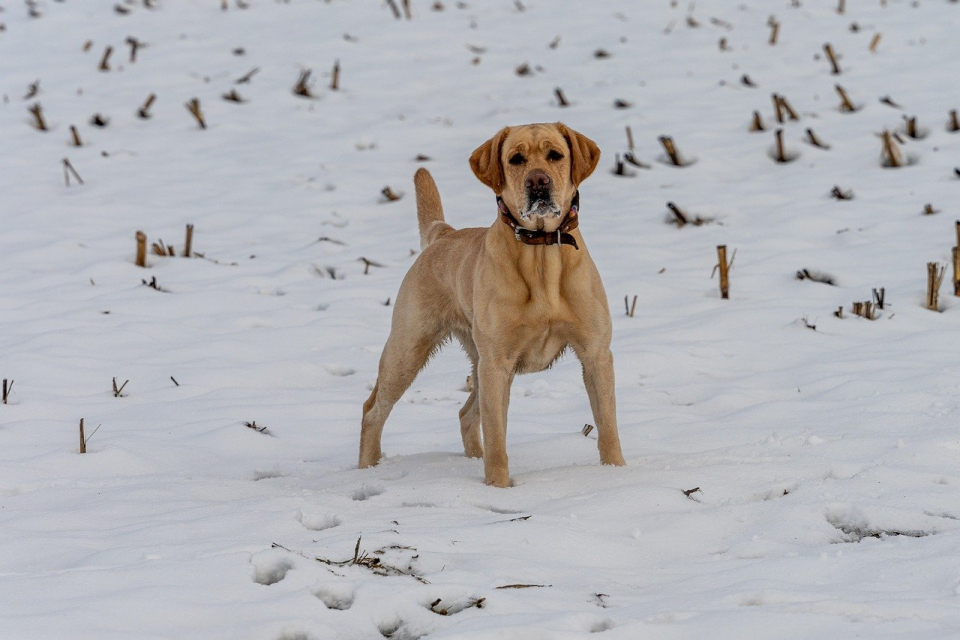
(827, 459)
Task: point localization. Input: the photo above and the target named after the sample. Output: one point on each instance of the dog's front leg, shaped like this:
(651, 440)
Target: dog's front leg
(599, 381)
(495, 376)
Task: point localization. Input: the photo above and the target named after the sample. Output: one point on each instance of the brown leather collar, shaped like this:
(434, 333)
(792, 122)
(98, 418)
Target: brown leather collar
(560, 236)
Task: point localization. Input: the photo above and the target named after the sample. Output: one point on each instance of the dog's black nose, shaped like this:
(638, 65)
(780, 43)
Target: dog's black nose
(537, 180)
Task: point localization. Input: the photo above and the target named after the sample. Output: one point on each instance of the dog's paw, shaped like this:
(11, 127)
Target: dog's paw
(501, 481)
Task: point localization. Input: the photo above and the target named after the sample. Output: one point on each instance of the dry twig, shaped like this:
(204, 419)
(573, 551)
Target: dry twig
(911, 128)
(956, 263)
(302, 88)
(891, 154)
(840, 194)
(815, 276)
(104, 61)
(446, 611)
(32, 90)
(787, 108)
(367, 264)
(144, 111)
(724, 268)
(153, 284)
(135, 45)
(880, 297)
(161, 249)
(815, 141)
(523, 586)
(233, 96)
(193, 106)
(846, 104)
(37, 111)
(935, 273)
(141, 249)
(887, 100)
(118, 390)
(780, 154)
(244, 79)
(373, 564)
(68, 170)
(671, 149)
(619, 169)
(678, 214)
(834, 65)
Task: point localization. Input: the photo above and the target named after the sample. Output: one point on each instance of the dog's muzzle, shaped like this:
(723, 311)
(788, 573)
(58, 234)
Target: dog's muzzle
(540, 201)
(540, 206)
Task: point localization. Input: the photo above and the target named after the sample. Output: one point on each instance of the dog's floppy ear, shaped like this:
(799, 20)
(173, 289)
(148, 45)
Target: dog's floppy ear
(584, 154)
(485, 161)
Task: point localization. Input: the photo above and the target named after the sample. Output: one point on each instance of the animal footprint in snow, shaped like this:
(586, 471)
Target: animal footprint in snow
(390, 628)
(856, 525)
(339, 370)
(599, 626)
(773, 493)
(270, 569)
(366, 491)
(335, 596)
(317, 522)
(500, 510)
(266, 474)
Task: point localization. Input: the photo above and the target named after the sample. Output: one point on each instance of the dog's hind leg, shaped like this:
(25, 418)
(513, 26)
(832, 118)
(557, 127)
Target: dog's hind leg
(470, 411)
(470, 421)
(406, 352)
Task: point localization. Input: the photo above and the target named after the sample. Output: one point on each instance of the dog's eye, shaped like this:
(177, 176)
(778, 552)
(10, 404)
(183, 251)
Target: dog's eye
(554, 155)
(517, 159)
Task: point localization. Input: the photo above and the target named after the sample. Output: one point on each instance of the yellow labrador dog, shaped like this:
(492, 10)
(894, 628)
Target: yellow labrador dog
(515, 294)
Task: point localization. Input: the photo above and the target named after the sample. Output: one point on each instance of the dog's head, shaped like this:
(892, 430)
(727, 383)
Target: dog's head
(537, 169)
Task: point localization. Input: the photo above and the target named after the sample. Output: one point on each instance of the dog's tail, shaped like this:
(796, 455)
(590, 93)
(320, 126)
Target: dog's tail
(429, 209)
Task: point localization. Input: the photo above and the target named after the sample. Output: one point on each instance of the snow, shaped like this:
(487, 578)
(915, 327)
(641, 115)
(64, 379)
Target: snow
(827, 460)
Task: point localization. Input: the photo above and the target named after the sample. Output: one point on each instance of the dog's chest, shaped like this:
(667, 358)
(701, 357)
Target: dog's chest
(539, 346)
